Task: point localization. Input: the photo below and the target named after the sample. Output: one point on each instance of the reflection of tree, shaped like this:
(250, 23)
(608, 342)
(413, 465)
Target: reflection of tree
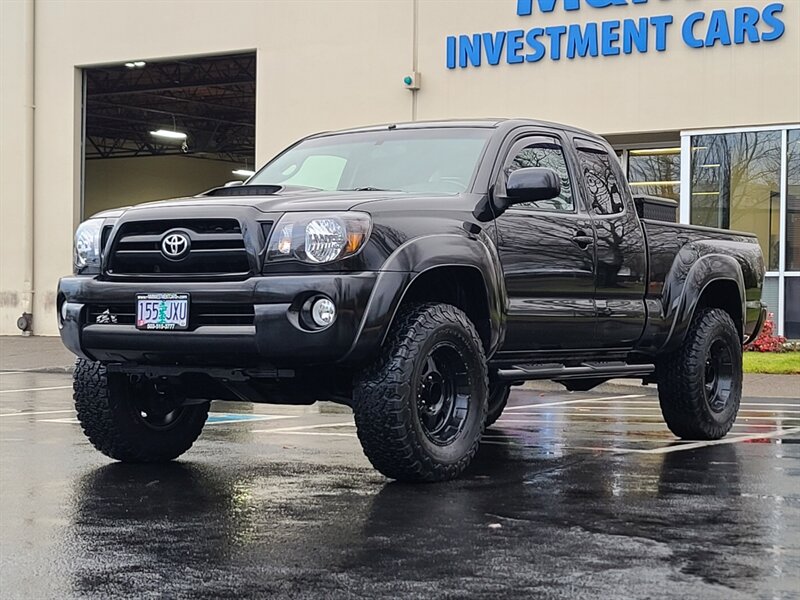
(656, 167)
(601, 183)
(550, 157)
(736, 183)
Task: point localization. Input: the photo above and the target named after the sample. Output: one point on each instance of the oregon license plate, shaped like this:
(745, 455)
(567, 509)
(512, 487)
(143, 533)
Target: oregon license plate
(162, 312)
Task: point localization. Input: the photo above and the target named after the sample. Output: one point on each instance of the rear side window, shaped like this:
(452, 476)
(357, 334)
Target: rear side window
(602, 187)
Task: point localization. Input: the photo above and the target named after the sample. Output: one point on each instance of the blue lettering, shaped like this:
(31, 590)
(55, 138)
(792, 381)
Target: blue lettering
(581, 43)
(538, 48)
(513, 45)
(610, 37)
(555, 33)
(525, 7)
(606, 3)
(451, 52)
(744, 24)
(688, 30)
(661, 23)
(769, 18)
(493, 46)
(469, 50)
(633, 35)
(718, 29)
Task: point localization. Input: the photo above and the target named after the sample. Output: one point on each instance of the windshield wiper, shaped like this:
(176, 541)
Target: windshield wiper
(369, 188)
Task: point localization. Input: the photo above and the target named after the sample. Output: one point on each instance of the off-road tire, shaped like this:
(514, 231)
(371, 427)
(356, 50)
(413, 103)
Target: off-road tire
(385, 396)
(498, 398)
(682, 379)
(114, 426)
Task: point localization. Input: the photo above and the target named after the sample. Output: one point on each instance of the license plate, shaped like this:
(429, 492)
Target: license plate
(162, 312)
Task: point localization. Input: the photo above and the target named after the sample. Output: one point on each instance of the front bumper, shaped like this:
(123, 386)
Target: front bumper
(274, 337)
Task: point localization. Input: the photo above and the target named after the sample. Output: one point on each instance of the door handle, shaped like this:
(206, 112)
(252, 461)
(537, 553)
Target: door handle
(583, 241)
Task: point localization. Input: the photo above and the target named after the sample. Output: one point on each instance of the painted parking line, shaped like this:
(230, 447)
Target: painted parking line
(589, 415)
(37, 412)
(305, 427)
(576, 401)
(695, 445)
(39, 389)
(213, 418)
(595, 424)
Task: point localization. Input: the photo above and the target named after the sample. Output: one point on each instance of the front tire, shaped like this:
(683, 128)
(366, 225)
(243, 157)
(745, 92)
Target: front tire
(700, 385)
(420, 407)
(117, 421)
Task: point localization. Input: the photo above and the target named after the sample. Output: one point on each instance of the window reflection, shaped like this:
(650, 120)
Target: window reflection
(791, 319)
(655, 172)
(735, 184)
(793, 204)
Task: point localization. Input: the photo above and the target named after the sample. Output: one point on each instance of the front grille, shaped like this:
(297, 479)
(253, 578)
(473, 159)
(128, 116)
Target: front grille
(200, 314)
(217, 248)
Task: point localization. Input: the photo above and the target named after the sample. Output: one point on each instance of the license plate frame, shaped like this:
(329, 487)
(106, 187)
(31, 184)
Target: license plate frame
(170, 314)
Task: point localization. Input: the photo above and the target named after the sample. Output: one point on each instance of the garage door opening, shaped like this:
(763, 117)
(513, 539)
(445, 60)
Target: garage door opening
(162, 129)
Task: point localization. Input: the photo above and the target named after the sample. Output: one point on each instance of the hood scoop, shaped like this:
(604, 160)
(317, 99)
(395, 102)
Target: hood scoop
(244, 190)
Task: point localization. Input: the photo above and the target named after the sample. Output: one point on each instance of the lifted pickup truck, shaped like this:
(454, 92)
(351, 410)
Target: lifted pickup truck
(414, 272)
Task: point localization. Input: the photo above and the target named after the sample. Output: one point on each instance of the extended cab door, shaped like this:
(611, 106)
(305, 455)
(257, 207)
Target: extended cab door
(621, 267)
(547, 254)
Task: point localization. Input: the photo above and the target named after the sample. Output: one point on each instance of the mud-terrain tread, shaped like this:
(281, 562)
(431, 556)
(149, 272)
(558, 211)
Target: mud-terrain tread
(681, 376)
(382, 415)
(104, 422)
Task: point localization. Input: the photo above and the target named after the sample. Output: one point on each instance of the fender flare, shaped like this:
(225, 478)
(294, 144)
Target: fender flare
(683, 291)
(416, 257)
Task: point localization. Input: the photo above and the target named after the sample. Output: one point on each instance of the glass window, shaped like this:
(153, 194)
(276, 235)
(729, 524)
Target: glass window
(426, 160)
(793, 203)
(550, 156)
(769, 296)
(601, 182)
(655, 172)
(791, 309)
(735, 185)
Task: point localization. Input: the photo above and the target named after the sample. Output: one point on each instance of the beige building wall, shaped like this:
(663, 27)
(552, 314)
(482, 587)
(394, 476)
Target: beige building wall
(324, 64)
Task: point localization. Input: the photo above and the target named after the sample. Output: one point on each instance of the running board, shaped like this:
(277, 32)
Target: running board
(586, 370)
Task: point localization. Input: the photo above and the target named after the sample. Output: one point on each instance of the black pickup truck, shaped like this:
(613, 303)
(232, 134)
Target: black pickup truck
(414, 272)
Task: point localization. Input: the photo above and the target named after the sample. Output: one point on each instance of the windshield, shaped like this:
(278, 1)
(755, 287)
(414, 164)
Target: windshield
(411, 160)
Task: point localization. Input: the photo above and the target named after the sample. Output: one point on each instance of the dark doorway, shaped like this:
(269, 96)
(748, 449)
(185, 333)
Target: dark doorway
(161, 129)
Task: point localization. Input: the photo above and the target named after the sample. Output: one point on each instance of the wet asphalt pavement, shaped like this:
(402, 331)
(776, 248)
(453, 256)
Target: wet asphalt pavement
(572, 495)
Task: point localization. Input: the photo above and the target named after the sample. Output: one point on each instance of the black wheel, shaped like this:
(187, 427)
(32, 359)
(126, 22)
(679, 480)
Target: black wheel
(700, 385)
(420, 408)
(133, 422)
(498, 398)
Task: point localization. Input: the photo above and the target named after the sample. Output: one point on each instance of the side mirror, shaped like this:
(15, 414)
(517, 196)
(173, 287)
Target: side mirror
(233, 183)
(531, 184)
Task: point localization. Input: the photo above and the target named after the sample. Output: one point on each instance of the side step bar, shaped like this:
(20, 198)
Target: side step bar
(584, 371)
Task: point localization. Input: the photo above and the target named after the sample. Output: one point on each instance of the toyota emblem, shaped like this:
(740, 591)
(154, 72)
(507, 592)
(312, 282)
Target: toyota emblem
(175, 245)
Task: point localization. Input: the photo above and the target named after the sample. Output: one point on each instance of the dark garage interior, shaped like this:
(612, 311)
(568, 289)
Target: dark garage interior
(161, 129)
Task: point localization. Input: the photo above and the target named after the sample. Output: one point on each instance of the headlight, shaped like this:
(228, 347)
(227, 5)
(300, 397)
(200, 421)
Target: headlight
(318, 237)
(87, 245)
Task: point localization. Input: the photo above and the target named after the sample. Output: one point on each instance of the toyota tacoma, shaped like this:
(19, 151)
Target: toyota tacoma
(414, 272)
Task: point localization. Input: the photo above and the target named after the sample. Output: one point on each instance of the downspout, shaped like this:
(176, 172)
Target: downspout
(415, 58)
(25, 322)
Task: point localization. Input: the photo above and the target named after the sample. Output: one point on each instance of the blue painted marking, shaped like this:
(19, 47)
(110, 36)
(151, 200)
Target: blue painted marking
(219, 418)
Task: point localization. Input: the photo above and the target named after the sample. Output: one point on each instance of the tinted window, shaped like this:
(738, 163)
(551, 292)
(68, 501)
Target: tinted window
(550, 156)
(602, 188)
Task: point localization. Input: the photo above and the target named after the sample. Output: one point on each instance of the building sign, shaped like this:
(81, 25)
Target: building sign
(701, 29)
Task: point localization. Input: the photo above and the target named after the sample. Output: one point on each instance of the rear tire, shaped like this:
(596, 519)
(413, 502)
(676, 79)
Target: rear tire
(700, 384)
(111, 415)
(420, 408)
(498, 398)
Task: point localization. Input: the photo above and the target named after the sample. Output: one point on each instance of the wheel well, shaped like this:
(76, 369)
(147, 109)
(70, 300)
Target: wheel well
(723, 294)
(463, 287)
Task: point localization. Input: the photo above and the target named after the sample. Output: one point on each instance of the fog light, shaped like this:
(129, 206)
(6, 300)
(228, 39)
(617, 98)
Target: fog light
(323, 312)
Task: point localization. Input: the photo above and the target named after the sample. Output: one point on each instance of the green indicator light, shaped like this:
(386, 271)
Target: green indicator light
(408, 80)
